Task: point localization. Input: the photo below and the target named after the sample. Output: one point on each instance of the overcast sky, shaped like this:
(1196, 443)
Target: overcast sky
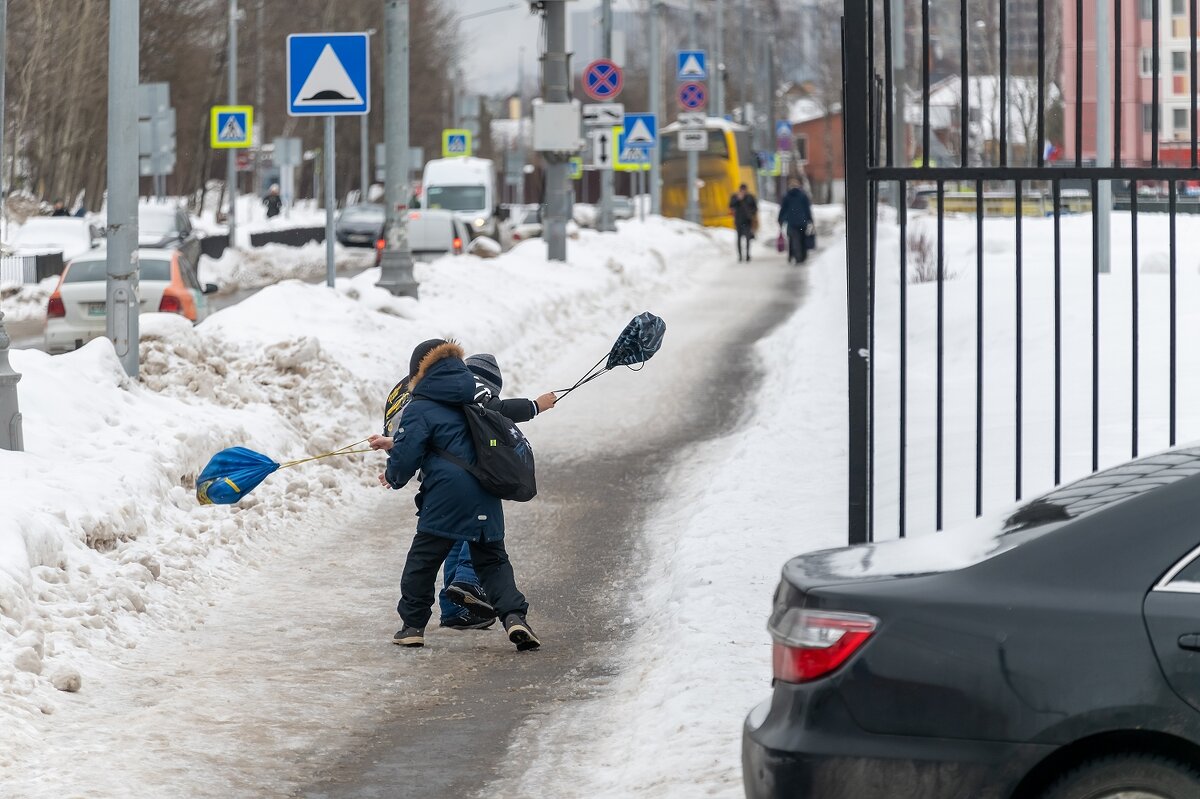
(493, 41)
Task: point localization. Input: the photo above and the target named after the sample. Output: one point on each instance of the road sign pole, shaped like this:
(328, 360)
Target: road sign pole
(10, 412)
(396, 266)
(364, 161)
(655, 105)
(231, 155)
(718, 69)
(121, 299)
(330, 202)
(555, 85)
(693, 158)
(605, 222)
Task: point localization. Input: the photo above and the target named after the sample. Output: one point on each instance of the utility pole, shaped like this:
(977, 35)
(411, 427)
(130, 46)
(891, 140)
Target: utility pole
(1103, 210)
(719, 61)
(364, 160)
(231, 154)
(655, 107)
(260, 138)
(10, 413)
(520, 187)
(605, 221)
(693, 157)
(555, 89)
(746, 61)
(395, 265)
(122, 267)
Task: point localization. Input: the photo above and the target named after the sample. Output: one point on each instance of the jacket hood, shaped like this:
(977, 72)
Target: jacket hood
(442, 376)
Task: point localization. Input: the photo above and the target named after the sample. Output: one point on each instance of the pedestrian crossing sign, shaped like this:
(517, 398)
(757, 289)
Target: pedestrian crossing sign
(456, 143)
(231, 126)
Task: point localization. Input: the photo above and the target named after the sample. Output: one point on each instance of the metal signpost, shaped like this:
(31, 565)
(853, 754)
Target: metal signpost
(691, 69)
(121, 300)
(395, 263)
(10, 413)
(638, 138)
(329, 75)
(603, 80)
(288, 155)
(156, 135)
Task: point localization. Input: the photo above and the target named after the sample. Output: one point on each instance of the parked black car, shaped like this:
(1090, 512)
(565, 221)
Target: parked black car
(1061, 660)
(359, 225)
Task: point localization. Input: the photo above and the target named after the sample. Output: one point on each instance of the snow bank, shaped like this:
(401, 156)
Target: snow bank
(100, 533)
(251, 268)
(26, 302)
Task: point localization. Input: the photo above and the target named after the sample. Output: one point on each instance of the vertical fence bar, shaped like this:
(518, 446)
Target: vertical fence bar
(1192, 22)
(1003, 82)
(925, 82)
(903, 211)
(1095, 330)
(941, 331)
(1020, 348)
(873, 226)
(1079, 84)
(1154, 55)
(964, 115)
(978, 348)
(1041, 83)
(889, 101)
(1117, 81)
(1133, 222)
(856, 84)
(1057, 186)
(1171, 198)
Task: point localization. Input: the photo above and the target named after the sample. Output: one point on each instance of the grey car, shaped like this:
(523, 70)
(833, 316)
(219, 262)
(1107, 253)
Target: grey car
(359, 225)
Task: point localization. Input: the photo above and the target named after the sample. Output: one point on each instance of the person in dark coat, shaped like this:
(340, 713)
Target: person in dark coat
(60, 209)
(796, 213)
(451, 504)
(273, 202)
(463, 602)
(744, 208)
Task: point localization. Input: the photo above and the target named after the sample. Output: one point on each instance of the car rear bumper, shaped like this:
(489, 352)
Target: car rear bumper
(64, 337)
(803, 744)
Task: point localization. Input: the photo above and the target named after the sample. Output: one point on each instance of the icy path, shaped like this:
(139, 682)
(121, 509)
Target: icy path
(287, 679)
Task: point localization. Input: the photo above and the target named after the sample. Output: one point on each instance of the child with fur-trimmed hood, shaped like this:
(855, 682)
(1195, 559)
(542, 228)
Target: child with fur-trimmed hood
(451, 504)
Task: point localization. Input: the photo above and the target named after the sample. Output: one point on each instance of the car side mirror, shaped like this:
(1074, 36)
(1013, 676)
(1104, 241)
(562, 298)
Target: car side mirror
(210, 288)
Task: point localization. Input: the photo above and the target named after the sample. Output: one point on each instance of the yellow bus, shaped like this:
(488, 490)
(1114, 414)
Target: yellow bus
(727, 162)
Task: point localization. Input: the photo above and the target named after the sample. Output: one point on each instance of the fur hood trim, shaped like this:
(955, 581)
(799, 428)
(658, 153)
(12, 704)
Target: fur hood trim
(451, 349)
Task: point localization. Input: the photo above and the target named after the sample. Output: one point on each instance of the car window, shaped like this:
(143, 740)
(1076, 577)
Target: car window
(86, 272)
(456, 198)
(1187, 578)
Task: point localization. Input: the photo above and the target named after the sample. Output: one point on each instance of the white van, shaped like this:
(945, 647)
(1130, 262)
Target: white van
(466, 186)
(432, 233)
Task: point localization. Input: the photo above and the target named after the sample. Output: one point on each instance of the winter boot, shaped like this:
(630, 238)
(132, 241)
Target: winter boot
(520, 633)
(472, 598)
(467, 620)
(410, 636)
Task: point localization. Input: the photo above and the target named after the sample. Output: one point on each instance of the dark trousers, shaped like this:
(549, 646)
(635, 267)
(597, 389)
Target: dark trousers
(796, 243)
(425, 557)
(744, 231)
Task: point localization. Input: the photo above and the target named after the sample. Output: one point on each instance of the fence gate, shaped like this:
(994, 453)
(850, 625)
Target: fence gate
(1007, 333)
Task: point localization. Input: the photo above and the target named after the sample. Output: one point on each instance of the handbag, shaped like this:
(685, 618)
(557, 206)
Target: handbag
(781, 242)
(810, 236)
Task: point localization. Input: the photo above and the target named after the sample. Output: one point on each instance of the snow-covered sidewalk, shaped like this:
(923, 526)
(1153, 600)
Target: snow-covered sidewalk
(101, 539)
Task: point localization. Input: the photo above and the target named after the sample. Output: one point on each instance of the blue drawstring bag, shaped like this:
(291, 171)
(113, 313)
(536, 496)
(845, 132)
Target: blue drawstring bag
(231, 474)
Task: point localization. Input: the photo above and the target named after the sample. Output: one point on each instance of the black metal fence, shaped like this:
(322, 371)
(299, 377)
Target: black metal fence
(889, 157)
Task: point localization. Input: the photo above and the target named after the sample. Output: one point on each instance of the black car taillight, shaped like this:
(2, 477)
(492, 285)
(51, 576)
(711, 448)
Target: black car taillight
(809, 644)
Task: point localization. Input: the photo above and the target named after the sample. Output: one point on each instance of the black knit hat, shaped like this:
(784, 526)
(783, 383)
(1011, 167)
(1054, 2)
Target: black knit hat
(419, 353)
(484, 367)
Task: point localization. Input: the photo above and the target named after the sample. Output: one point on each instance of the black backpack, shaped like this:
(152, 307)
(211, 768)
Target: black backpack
(503, 456)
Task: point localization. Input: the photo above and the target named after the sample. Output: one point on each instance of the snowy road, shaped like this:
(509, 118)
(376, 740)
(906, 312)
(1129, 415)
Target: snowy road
(288, 685)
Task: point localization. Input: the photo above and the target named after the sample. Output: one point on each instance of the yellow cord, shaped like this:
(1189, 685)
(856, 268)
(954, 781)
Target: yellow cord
(342, 451)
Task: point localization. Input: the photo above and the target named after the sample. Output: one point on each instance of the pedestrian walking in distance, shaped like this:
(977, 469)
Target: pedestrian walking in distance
(273, 201)
(744, 208)
(452, 506)
(795, 212)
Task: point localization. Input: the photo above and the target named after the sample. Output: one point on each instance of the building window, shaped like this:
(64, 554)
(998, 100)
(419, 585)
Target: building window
(1147, 117)
(1179, 62)
(1178, 8)
(1147, 59)
(1146, 9)
(1179, 122)
(802, 148)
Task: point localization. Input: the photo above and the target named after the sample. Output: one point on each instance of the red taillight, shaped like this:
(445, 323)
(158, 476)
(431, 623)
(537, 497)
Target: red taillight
(810, 644)
(380, 244)
(170, 304)
(55, 308)
(457, 244)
